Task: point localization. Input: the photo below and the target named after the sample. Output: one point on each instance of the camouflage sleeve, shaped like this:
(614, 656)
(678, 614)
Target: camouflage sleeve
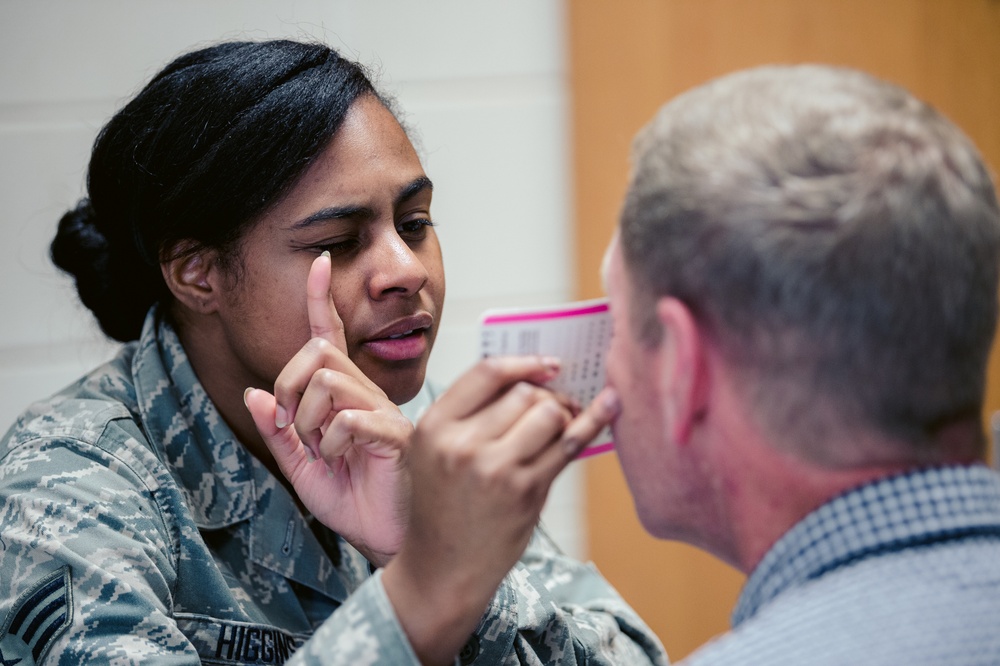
(86, 557)
(550, 609)
(567, 613)
(364, 630)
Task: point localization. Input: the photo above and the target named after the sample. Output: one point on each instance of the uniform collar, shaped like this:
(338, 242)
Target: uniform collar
(213, 469)
(279, 538)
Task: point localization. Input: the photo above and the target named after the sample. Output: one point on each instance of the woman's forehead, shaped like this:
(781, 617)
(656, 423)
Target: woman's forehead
(369, 164)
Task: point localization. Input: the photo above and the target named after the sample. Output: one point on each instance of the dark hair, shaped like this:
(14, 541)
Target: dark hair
(198, 155)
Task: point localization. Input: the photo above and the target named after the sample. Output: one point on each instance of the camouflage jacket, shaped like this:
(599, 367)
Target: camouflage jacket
(135, 528)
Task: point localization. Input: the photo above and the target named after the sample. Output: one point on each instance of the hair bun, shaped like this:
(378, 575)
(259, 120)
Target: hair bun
(77, 231)
(112, 285)
(79, 245)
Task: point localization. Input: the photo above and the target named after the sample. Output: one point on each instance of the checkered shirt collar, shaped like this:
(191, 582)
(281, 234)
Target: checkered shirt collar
(922, 507)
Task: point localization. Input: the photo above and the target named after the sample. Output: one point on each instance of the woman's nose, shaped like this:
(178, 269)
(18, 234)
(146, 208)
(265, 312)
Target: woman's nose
(396, 268)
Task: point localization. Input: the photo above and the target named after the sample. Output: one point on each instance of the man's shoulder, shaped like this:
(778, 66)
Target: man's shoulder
(920, 604)
(904, 567)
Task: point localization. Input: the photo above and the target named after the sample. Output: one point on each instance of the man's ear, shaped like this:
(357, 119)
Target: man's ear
(684, 382)
(192, 277)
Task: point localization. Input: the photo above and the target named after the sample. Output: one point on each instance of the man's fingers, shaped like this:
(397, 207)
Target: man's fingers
(324, 322)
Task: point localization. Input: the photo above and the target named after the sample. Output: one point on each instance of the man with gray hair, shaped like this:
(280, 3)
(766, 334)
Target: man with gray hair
(804, 295)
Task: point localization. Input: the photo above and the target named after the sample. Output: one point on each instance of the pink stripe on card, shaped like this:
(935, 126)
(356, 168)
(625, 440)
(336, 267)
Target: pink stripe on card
(594, 450)
(548, 314)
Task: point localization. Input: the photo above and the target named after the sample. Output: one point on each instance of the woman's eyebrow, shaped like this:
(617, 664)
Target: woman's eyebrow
(362, 213)
(359, 213)
(417, 186)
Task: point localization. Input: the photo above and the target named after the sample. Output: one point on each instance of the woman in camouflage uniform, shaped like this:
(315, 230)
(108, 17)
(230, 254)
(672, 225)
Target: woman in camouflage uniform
(256, 217)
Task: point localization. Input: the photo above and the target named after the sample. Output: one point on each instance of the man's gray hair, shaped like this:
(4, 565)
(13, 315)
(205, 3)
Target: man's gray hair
(836, 237)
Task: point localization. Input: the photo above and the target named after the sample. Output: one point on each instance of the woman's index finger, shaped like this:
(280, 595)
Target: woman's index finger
(324, 321)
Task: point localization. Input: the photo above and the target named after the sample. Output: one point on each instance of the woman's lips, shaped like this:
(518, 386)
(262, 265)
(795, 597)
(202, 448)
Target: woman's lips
(402, 340)
(406, 346)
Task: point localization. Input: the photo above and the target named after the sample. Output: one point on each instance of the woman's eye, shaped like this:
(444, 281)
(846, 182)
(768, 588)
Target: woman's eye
(414, 229)
(338, 247)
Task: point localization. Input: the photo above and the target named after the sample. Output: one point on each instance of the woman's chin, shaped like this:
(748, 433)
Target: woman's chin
(400, 384)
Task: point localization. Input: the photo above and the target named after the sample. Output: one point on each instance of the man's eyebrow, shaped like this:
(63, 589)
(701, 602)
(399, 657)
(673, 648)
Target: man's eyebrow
(361, 213)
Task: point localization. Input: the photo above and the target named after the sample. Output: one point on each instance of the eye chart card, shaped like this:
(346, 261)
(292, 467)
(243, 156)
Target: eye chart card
(576, 333)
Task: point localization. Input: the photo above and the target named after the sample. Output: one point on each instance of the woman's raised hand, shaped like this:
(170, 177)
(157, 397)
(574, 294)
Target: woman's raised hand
(335, 435)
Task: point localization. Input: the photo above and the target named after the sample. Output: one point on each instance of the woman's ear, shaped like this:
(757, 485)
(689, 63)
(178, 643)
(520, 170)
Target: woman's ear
(684, 377)
(191, 277)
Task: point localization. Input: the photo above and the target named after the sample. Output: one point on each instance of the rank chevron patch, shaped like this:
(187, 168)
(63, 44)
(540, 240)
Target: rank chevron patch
(37, 618)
